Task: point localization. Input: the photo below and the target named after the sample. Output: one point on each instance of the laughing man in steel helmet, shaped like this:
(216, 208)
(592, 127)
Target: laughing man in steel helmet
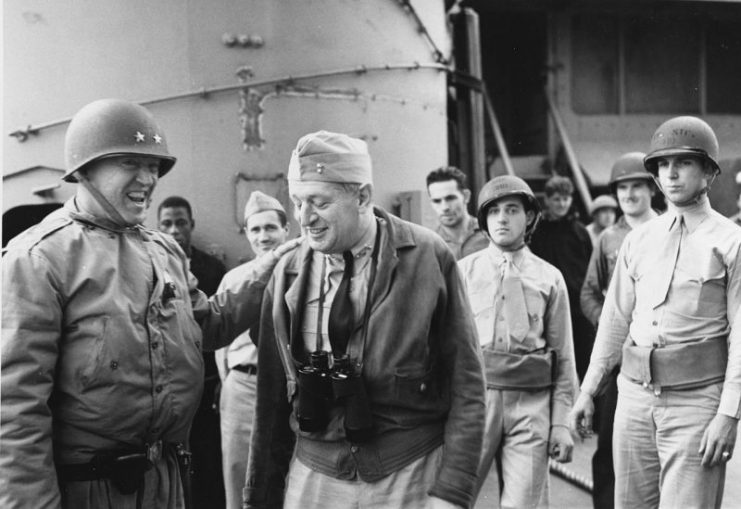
(102, 368)
(670, 318)
(521, 309)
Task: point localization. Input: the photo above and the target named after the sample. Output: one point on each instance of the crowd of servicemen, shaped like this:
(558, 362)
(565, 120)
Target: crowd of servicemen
(369, 362)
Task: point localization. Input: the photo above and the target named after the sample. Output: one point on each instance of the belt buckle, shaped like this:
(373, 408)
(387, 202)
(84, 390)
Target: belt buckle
(154, 451)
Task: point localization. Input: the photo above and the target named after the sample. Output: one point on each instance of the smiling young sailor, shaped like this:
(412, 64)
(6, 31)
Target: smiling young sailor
(670, 315)
(521, 308)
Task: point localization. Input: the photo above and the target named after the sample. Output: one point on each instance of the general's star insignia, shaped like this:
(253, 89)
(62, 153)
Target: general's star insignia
(139, 137)
(157, 138)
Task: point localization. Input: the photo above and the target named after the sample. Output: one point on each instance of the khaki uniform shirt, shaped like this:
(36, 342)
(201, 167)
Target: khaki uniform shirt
(547, 308)
(600, 269)
(702, 302)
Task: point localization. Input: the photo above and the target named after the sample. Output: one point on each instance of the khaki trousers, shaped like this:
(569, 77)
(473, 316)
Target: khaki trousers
(515, 448)
(655, 447)
(405, 488)
(237, 408)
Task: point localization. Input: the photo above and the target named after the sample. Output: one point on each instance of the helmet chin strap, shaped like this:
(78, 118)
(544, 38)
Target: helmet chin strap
(696, 198)
(102, 201)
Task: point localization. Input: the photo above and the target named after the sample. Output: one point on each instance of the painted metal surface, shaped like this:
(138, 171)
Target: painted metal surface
(61, 55)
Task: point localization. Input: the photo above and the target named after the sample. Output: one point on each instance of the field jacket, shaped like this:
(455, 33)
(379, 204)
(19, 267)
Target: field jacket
(421, 364)
(101, 349)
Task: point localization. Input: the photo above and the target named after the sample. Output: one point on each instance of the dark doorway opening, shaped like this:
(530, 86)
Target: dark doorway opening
(20, 218)
(514, 54)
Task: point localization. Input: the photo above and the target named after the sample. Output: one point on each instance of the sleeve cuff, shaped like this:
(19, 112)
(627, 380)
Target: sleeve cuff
(591, 383)
(730, 402)
(560, 416)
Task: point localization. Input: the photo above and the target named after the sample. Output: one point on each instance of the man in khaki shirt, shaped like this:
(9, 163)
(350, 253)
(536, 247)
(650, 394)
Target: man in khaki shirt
(521, 308)
(669, 317)
(634, 188)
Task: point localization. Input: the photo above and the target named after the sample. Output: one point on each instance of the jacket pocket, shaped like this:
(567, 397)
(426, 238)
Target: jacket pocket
(418, 396)
(415, 384)
(90, 350)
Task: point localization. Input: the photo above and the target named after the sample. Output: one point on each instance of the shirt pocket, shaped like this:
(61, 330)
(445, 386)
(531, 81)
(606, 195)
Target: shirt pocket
(698, 286)
(706, 287)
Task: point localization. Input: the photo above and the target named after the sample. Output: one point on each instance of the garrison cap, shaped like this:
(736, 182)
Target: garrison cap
(324, 156)
(260, 202)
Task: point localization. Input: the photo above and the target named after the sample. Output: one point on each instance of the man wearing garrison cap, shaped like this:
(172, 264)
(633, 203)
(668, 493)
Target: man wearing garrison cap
(266, 227)
(368, 358)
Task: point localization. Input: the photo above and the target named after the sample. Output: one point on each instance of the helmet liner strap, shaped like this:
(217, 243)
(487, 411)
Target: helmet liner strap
(102, 201)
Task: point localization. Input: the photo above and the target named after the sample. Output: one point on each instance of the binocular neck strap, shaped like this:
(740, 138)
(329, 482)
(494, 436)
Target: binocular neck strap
(371, 282)
(368, 303)
(320, 307)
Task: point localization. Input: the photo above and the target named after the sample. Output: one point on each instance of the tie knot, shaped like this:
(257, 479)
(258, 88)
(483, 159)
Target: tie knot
(349, 259)
(679, 221)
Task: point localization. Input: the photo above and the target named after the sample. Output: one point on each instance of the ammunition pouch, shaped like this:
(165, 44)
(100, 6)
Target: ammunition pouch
(534, 371)
(678, 366)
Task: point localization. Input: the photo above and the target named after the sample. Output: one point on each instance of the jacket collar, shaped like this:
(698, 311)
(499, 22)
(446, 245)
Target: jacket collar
(395, 235)
(101, 222)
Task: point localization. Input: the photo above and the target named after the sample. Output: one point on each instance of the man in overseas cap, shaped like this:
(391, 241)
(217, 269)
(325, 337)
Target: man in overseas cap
(521, 308)
(266, 228)
(670, 318)
(367, 349)
(102, 368)
(634, 188)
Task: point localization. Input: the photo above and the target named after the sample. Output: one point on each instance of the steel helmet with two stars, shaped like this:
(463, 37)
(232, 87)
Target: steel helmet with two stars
(683, 136)
(113, 127)
(500, 187)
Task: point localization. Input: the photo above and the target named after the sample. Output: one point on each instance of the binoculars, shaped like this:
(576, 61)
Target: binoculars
(322, 387)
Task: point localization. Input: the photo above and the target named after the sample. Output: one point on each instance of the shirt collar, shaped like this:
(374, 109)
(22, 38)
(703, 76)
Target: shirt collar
(693, 214)
(363, 248)
(473, 227)
(498, 256)
(622, 223)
